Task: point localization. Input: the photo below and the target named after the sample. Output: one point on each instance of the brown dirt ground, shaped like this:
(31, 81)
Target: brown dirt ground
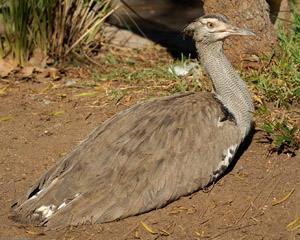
(238, 206)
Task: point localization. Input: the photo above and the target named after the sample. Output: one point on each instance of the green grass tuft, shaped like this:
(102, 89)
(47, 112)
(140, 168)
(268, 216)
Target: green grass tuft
(279, 84)
(279, 81)
(55, 27)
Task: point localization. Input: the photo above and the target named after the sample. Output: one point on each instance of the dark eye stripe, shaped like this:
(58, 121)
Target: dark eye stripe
(221, 18)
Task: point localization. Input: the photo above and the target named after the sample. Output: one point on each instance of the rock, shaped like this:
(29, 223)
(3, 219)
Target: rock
(125, 38)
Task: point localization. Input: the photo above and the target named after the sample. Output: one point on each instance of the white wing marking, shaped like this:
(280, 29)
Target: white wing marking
(46, 211)
(226, 160)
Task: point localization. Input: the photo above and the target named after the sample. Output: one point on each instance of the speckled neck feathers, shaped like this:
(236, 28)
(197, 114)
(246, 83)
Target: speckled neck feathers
(229, 88)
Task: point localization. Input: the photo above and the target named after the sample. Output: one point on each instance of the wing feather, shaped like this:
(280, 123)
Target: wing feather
(139, 160)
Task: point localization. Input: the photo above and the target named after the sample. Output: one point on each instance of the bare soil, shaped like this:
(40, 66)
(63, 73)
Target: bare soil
(49, 120)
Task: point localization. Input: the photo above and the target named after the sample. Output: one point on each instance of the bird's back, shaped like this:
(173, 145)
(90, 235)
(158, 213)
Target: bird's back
(141, 159)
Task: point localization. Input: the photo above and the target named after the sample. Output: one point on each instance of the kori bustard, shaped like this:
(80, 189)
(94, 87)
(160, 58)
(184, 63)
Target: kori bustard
(152, 153)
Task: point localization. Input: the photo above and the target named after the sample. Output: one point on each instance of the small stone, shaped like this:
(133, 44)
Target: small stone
(46, 101)
(69, 83)
(48, 133)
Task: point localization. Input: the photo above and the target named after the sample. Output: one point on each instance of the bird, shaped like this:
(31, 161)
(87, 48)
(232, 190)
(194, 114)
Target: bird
(154, 152)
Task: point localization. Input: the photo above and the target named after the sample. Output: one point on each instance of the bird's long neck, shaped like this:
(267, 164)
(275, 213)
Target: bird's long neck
(229, 88)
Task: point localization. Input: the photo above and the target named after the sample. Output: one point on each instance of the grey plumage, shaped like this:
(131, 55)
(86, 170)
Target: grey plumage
(152, 153)
(229, 88)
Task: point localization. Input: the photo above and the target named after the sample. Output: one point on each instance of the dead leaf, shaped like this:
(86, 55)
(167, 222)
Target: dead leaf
(61, 95)
(147, 228)
(192, 210)
(2, 92)
(128, 98)
(37, 63)
(59, 113)
(254, 219)
(42, 75)
(174, 211)
(26, 71)
(283, 199)
(202, 235)
(293, 222)
(7, 66)
(229, 211)
(86, 94)
(38, 59)
(163, 232)
(297, 227)
(239, 177)
(101, 88)
(33, 233)
(258, 99)
(104, 86)
(48, 72)
(6, 118)
(53, 73)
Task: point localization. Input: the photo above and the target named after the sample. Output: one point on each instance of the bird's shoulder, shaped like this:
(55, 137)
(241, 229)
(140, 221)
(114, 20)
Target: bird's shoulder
(183, 125)
(181, 110)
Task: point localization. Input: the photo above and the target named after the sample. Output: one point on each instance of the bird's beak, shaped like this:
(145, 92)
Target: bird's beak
(189, 29)
(236, 30)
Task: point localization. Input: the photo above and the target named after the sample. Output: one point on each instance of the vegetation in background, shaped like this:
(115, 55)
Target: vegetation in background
(279, 82)
(16, 19)
(56, 27)
(281, 129)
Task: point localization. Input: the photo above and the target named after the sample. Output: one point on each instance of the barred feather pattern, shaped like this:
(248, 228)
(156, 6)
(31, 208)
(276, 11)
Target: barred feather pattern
(230, 89)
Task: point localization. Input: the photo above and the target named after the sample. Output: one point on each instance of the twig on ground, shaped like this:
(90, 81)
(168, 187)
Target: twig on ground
(253, 201)
(272, 189)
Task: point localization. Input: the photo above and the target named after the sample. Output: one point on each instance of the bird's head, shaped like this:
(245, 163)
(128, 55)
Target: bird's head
(214, 27)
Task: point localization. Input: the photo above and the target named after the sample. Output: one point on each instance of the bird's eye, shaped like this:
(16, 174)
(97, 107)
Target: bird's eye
(210, 25)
